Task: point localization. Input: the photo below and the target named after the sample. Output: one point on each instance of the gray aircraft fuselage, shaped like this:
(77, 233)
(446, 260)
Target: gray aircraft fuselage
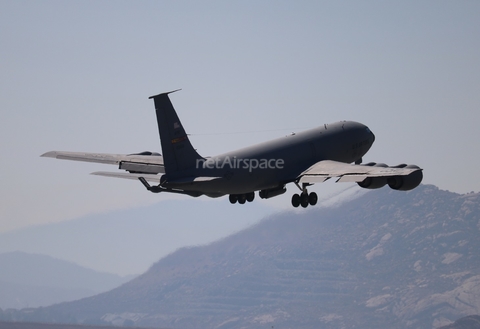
(303, 158)
(272, 164)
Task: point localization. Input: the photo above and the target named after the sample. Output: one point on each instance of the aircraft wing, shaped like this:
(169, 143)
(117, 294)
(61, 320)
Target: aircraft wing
(146, 162)
(323, 170)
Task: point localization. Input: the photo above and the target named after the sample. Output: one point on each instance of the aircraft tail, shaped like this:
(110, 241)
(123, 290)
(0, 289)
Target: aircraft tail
(178, 152)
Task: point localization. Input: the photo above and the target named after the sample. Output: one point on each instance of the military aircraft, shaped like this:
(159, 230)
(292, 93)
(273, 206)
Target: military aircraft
(304, 158)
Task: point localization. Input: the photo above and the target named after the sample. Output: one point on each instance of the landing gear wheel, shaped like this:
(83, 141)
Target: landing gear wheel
(250, 196)
(304, 200)
(242, 199)
(295, 200)
(233, 198)
(312, 198)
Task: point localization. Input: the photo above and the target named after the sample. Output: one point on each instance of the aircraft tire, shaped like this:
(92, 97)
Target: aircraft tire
(250, 196)
(304, 200)
(242, 198)
(295, 200)
(312, 198)
(233, 198)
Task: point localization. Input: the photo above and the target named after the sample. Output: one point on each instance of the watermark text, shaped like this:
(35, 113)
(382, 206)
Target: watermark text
(239, 163)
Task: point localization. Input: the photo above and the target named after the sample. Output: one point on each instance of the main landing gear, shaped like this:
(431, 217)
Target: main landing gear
(304, 199)
(241, 198)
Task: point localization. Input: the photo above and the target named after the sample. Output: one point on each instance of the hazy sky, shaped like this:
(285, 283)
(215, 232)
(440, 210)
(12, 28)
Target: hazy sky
(76, 76)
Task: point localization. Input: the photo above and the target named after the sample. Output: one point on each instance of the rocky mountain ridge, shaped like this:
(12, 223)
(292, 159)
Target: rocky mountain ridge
(387, 259)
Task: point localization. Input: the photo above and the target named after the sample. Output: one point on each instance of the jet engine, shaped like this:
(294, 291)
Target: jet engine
(406, 183)
(373, 182)
(401, 183)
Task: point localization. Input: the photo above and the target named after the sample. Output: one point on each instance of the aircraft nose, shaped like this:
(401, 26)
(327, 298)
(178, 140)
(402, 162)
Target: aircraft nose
(371, 133)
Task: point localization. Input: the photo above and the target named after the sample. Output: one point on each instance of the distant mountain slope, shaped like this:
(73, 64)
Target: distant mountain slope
(385, 260)
(129, 241)
(30, 325)
(32, 280)
(468, 322)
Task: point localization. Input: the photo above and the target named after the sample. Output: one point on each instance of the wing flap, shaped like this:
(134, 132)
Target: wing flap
(351, 178)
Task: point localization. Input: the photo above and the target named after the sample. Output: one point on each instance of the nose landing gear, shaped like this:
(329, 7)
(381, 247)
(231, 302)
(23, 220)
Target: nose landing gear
(304, 199)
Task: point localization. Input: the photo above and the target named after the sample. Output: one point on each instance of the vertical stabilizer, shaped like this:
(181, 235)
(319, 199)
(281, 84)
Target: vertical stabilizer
(178, 152)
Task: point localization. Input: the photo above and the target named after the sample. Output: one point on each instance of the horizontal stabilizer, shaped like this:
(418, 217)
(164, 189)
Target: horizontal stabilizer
(154, 178)
(144, 178)
(148, 177)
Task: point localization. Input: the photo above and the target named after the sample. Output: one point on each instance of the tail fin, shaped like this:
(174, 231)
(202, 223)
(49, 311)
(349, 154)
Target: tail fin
(178, 152)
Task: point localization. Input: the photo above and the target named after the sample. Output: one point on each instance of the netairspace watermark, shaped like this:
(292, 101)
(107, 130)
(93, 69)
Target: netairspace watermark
(239, 163)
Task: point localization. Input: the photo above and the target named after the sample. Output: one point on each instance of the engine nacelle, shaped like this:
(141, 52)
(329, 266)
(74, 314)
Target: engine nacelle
(270, 193)
(406, 183)
(373, 182)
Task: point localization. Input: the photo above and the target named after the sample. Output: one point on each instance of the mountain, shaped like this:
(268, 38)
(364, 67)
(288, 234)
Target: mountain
(30, 325)
(468, 322)
(32, 280)
(387, 259)
(129, 241)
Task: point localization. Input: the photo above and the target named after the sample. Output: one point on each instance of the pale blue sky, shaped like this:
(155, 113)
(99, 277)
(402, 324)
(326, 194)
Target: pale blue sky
(76, 76)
